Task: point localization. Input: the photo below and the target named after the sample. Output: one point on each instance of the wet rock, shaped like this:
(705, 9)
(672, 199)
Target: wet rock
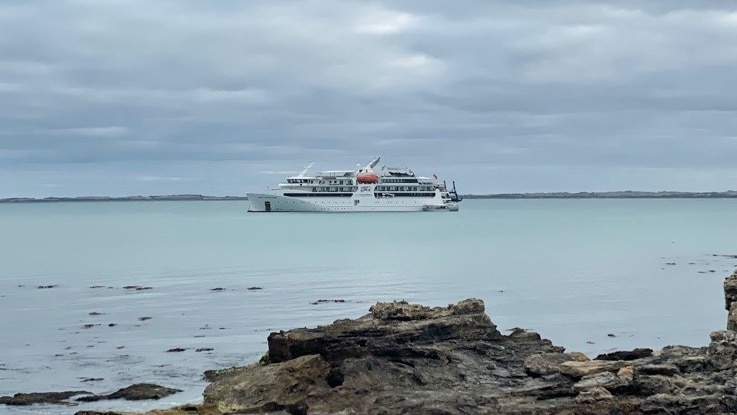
(136, 288)
(176, 350)
(327, 301)
(83, 380)
(144, 318)
(204, 349)
(24, 399)
(217, 289)
(137, 392)
(626, 355)
(46, 287)
(254, 288)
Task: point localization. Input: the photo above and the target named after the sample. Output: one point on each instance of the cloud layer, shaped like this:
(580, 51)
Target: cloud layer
(139, 97)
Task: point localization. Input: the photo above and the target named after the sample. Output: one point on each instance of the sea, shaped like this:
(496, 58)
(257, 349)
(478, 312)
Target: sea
(96, 296)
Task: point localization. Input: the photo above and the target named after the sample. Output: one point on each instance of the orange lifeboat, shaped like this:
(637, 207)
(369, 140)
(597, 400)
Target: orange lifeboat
(367, 178)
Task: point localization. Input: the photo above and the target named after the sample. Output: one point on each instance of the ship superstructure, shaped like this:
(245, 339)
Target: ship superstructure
(363, 189)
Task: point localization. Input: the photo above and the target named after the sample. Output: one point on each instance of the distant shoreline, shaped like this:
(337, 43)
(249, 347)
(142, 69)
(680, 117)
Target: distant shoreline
(553, 195)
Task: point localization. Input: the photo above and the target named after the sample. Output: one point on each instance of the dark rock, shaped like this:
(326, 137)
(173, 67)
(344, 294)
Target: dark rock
(91, 379)
(144, 318)
(327, 301)
(45, 287)
(176, 350)
(217, 289)
(626, 355)
(137, 392)
(401, 357)
(204, 349)
(664, 370)
(730, 291)
(137, 288)
(254, 288)
(24, 399)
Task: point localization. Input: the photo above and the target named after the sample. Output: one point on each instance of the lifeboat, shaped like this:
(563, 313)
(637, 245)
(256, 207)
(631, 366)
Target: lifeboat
(367, 178)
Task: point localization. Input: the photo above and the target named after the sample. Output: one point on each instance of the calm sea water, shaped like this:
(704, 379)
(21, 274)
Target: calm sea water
(591, 275)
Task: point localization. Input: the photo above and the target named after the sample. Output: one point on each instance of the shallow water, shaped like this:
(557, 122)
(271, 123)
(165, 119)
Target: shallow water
(591, 275)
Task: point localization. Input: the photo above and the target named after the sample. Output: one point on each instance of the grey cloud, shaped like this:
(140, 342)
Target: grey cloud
(552, 92)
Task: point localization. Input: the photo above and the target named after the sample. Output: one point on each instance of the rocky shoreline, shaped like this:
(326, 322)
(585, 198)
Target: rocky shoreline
(409, 359)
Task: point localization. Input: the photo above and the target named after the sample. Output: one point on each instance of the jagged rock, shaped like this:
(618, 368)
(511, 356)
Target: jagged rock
(730, 291)
(626, 373)
(386, 331)
(606, 380)
(594, 395)
(667, 403)
(548, 363)
(401, 358)
(722, 350)
(732, 318)
(581, 369)
(664, 370)
(270, 387)
(655, 384)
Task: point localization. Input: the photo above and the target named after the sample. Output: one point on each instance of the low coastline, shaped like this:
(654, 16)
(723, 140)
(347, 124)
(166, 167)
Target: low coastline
(729, 194)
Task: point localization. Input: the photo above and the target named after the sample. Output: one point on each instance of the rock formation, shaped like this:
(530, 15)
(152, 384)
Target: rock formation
(137, 392)
(409, 359)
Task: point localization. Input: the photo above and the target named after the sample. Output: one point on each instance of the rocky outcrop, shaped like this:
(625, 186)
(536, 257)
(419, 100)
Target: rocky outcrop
(137, 392)
(409, 359)
(405, 358)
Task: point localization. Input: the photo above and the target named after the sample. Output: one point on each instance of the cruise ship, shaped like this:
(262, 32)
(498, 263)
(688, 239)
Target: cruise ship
(361, 190)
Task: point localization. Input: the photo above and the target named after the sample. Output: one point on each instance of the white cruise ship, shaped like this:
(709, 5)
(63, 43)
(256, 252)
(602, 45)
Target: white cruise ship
(361, 190)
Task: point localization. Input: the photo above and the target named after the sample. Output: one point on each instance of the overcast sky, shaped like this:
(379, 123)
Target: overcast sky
(126, 97)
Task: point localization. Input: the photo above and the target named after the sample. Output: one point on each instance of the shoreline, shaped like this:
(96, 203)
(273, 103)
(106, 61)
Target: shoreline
(730, 194)
(409, 358)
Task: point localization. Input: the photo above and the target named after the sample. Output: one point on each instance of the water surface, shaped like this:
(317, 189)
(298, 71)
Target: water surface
(591, 275)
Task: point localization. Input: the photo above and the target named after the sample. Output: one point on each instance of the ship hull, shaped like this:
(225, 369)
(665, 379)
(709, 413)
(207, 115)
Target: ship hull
(277, 202)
